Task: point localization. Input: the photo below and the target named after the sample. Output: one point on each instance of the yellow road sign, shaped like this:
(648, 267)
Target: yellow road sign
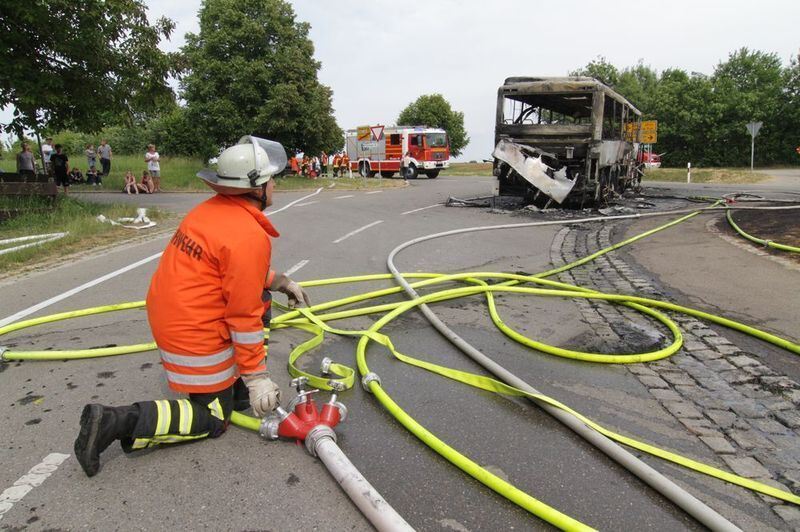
(650, 125)
(645, 132)
(631, 131)
(363, 133)
(648, 137)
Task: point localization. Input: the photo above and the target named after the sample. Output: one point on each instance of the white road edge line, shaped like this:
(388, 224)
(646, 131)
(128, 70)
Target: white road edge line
(375, 192)
(35, 477)
(343, 197)
(55, 299)
(422, 208)
(296, 267)
(298, 200)
(307, 203)
(351, 233)
(81, 288)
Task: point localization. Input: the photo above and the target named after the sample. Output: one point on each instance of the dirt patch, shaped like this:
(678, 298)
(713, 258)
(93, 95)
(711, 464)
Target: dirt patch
(782, 227)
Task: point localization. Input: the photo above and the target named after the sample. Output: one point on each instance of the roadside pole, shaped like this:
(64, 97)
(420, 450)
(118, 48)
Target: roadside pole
(753, 128)
(688, 172)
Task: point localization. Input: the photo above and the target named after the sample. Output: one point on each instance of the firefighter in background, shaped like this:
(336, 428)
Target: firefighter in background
(337, 163)
(205, 306)
(323, 161)
(345, 163)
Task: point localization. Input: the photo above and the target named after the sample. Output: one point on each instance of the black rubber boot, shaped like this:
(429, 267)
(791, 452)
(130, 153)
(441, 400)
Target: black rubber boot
(241, 396)
(100, 427)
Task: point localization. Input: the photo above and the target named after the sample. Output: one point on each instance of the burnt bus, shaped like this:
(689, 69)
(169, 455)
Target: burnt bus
(564, 140)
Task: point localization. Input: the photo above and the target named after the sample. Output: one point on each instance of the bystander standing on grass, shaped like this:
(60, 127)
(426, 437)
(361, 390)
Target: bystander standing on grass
(60, 163)
(152, 158)
(91, 157)
(104, 151)
(26, 163)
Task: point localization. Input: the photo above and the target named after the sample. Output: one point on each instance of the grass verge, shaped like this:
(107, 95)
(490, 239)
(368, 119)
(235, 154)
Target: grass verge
(35, 215)
(344, 183)
(706, 175)
(468, 169)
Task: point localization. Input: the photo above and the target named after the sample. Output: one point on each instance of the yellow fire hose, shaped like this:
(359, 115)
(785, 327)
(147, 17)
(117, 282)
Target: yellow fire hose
(768, 243)
(315, 321)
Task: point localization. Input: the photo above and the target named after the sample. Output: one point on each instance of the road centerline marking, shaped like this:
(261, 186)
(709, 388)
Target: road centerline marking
(343, 197)
(375, 192)
(422, 208)
(295, 202)
(351, 233)
(307, 203)
(296, 267)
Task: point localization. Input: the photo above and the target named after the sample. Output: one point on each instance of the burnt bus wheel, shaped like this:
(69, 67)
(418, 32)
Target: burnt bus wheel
(605, 187)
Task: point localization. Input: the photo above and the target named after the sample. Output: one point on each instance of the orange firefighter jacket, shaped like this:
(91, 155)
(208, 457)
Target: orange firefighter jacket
(337, 160)
(345, 162)
(204, 304)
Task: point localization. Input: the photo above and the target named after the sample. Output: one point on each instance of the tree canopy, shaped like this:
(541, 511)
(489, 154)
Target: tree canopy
(702, 117)
(81, 65)
(251, 70)
(434, 111)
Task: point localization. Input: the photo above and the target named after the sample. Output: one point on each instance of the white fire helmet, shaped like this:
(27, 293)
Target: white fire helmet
(245, 166)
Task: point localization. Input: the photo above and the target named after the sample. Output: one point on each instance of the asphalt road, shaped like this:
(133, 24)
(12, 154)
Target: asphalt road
(240, 482)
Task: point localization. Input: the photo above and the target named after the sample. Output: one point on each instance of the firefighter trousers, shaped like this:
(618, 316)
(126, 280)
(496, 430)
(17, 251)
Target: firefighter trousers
(199, 416)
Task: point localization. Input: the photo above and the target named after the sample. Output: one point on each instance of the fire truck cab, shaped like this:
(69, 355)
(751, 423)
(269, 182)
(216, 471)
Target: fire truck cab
(379, 149)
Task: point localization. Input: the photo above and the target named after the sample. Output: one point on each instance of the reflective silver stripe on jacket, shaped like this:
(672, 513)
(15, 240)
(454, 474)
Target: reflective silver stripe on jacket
(201, 380)
(255, 337)
(196, 361)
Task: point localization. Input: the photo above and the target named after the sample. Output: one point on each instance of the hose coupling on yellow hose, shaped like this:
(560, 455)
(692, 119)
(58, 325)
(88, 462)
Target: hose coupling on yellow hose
(368, 378)
(3, 350)
(325, 366)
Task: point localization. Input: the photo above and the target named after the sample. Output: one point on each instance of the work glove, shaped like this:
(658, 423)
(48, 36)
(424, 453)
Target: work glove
(265, 395)
(294, 291)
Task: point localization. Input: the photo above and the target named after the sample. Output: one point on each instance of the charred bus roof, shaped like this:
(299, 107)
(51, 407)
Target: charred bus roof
(537, 90)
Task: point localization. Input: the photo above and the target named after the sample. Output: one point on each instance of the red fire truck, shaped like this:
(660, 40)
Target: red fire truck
(379, 149)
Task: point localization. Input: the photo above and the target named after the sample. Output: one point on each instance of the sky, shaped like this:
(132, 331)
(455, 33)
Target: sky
(380, 55)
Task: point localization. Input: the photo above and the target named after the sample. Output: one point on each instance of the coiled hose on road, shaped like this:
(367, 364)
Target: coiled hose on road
(315, 321)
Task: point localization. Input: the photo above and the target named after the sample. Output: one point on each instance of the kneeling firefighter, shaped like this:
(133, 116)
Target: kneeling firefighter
(208, 305)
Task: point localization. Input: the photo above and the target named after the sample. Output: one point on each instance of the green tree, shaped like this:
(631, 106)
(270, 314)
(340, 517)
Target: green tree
(81, 65)
(600, 69)
(788, 130)
(749, 86)
(684, 106)
(434, 111)
(252, 71)
(638, 85)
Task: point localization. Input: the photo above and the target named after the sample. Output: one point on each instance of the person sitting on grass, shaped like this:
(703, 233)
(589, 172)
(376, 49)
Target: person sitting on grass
(75, 176)
(93, 177)
(130, 183)
(147, 186)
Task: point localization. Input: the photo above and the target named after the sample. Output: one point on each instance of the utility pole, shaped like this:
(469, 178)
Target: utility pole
(753, 128)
